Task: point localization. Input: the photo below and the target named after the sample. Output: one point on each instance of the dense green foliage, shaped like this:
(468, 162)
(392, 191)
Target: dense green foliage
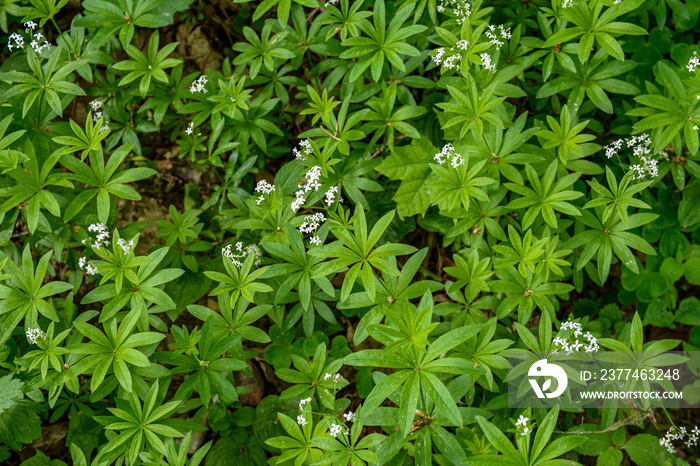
(289, 232)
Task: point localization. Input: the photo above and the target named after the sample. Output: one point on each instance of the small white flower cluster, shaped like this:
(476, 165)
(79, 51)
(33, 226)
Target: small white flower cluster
(491, 34)
(448, 154)
(613, 148)
(566, 344)
(694, 62)
(452, 61)
(349, 416)
(96, 106)
(647, 165)
(36, 38)
(437, 58)
(240, 253)
(33, 334)
(641, 148)
(331, 2)
(311, 223)
(102, 238)
(198, 85)
(678, 434)
(18, 40)
(330, 195)
(487, 62)
(336, 429)
(522, 422)
(312, 183)
(126, 245)
(88, 268)
(263, 187)
(301, 419)
(336, 377)
(568, 3)
(226, 251)
(460, 8)
(305, 150)
(190, 129)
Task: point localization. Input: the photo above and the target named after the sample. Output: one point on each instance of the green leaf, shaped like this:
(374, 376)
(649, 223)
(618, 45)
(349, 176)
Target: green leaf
(410, 164)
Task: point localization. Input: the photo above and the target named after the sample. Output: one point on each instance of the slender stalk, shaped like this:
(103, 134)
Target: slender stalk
(41, 105)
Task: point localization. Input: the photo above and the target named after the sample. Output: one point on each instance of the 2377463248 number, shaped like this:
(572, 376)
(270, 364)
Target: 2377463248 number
(639, 374)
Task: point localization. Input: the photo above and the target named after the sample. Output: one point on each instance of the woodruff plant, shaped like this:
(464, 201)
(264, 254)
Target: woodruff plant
(312, 232)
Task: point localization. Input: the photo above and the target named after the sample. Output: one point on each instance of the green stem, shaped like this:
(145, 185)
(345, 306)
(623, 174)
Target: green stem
(668, 416)
(60, 33)
(41, 105)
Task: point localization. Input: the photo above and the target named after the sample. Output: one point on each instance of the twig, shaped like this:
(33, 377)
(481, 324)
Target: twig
(384, 146)
(331, 135)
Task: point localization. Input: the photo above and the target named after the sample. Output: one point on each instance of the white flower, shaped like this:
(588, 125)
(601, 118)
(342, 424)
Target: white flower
(336, 377)
(126, 245)
(526, 431)
(695, 127)
(330, 194)
(335, 430)
(305, 150)
(462, 44)
(303, 402)
(89, 268)
(568, 3)
(265, 188)
(491, 34)
(190, 129)
(448, 154)
(18, 41)
(486, 61)
(613, 148)
(96, 106)
(316, 241)
(301, 420)
(241, 253)
(450, 61)
(312, 222)
(576, 344)
(33, 334)
(437, 58)
(198, 85)
(461, 9)
(102, 235)
(693, 63)
(349, 416)
(312, 183)
(522, 421)
(505, 33)
(30, 25)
